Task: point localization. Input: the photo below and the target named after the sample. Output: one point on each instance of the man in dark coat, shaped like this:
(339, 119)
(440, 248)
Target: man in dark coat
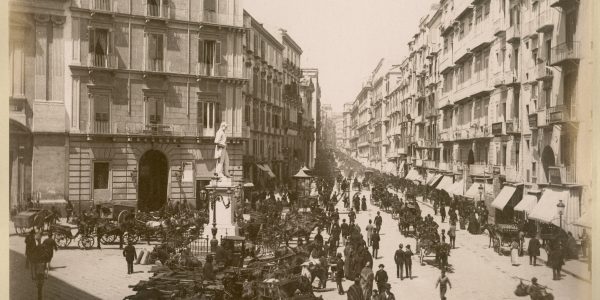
(50, 246)
(355, 292)
(381, 278)
(375, 243)
(443, 213)
(130, 256)
(533, 249)
(556, 261)
(30, 244)
(339, 273)
(408, 261)
(345, 230)
(378, 222)
(399, 260)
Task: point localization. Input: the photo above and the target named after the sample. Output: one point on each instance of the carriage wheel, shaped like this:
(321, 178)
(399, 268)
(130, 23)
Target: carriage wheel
(108, 238)
(131, 237)
(62, 240)
(86, 242)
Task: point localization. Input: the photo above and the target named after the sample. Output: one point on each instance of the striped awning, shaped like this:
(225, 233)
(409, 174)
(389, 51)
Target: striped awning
(445, 183)
(435, 179)
(473, 191)
(526, 204)
(546, 210)
(504, 197)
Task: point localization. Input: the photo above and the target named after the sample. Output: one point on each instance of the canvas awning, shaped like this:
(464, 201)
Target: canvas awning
(445, 183)
(545, 210)
(456, 188)
(412, 175)
(527, 203)
(301, 175)
(473, 191)
(268, 170)
(584, 221)
(504, 196)
(435, 179)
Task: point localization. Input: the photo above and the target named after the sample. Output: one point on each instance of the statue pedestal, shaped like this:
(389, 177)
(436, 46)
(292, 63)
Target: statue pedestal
(224, 216)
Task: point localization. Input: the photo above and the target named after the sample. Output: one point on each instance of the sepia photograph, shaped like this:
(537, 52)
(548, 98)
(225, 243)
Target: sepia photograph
(300, 149)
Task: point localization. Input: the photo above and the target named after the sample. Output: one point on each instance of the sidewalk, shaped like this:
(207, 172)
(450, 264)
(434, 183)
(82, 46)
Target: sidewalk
(573, 267)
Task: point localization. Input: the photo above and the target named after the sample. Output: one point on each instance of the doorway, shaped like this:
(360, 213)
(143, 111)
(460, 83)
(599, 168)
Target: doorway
(547, 161)
(153, 181)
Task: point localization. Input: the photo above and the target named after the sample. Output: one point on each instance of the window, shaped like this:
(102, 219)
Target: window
(100, 175)
(154, 110)
(17, 64)
(101, 114)
(99, 47)
(209, 114)
(247, 114)
(210, 6)
(155, 52)
(209, 57)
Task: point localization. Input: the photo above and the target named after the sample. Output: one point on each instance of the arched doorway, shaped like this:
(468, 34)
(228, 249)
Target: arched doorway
(153, 181)
(471, 158)
(547, 160)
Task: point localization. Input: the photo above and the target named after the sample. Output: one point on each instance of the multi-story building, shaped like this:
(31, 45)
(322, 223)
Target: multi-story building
(293, 147)
(119, 101)
(338, 121)
(263, 109)
(488, 98)
(347, 130)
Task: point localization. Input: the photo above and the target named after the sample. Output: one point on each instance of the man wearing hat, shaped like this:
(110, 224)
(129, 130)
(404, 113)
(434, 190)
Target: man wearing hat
(443, 282)
(130, 256)
(408, 261)
(381, 278)
(355, 292)
(339, 273)
(399, 260)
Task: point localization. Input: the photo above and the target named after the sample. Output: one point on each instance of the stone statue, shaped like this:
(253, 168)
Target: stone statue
(222, 169)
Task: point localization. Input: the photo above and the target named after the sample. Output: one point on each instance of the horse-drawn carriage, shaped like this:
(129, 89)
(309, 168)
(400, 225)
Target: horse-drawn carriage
(409, 216)
(63, 235)
(502, 235)
(428, 240)
(29, 219)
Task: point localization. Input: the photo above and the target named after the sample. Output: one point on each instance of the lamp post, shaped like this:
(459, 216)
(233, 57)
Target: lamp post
(480, 188)
(561, 210)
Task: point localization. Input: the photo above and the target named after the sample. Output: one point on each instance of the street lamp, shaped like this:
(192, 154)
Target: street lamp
(480, 188)
(561, 210)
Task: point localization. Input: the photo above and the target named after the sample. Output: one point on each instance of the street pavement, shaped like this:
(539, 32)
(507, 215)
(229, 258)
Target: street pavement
(477, 272)
(76, 274)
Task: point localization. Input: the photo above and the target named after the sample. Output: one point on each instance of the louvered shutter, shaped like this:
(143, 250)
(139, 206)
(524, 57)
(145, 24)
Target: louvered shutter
(217, 110)
(91, 40)
(218, 52)
(152, 53)
(200, 51)
(159, 46)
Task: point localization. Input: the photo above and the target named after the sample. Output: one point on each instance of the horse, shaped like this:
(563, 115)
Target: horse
(491, 228)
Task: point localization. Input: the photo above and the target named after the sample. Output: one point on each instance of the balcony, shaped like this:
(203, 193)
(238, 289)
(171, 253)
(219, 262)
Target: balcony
(101, 127)
(103, 7)
(544, 72)
(212, 17)
(103, 61)
(155, 65)
(498, 26)
(157, 12)
(478, 169)
(533, 120)
(497, 128)
(445, 166)
(431, 164)
(513, 174)
(513, 126)
(513, 34)
(217, 70)
(562, 175)
(544, 21)
(511, 77)
(565, 52)
(561, 114)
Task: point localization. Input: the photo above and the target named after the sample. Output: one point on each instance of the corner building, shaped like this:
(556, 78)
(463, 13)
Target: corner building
(128, 96)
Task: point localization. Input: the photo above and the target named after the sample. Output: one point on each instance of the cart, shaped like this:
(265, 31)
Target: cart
(505, 234)
(63, 235)
(31, 218)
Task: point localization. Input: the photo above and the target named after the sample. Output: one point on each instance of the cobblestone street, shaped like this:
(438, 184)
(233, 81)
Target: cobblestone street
(76, 274)
(478, 272)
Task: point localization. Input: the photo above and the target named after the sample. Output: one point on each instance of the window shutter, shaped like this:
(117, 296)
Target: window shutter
(217, 110)
(218, 52)
(152, 46)
(159, 46)
(91, 40)
(200, 51)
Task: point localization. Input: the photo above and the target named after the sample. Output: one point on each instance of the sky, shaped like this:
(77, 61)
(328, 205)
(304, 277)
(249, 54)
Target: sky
(344, 39)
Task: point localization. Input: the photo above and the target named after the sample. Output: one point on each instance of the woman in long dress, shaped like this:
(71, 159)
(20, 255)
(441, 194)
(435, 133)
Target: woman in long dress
(514, 253)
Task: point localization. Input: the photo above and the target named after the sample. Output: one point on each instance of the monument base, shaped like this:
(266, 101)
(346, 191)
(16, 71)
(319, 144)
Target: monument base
(224, 215)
